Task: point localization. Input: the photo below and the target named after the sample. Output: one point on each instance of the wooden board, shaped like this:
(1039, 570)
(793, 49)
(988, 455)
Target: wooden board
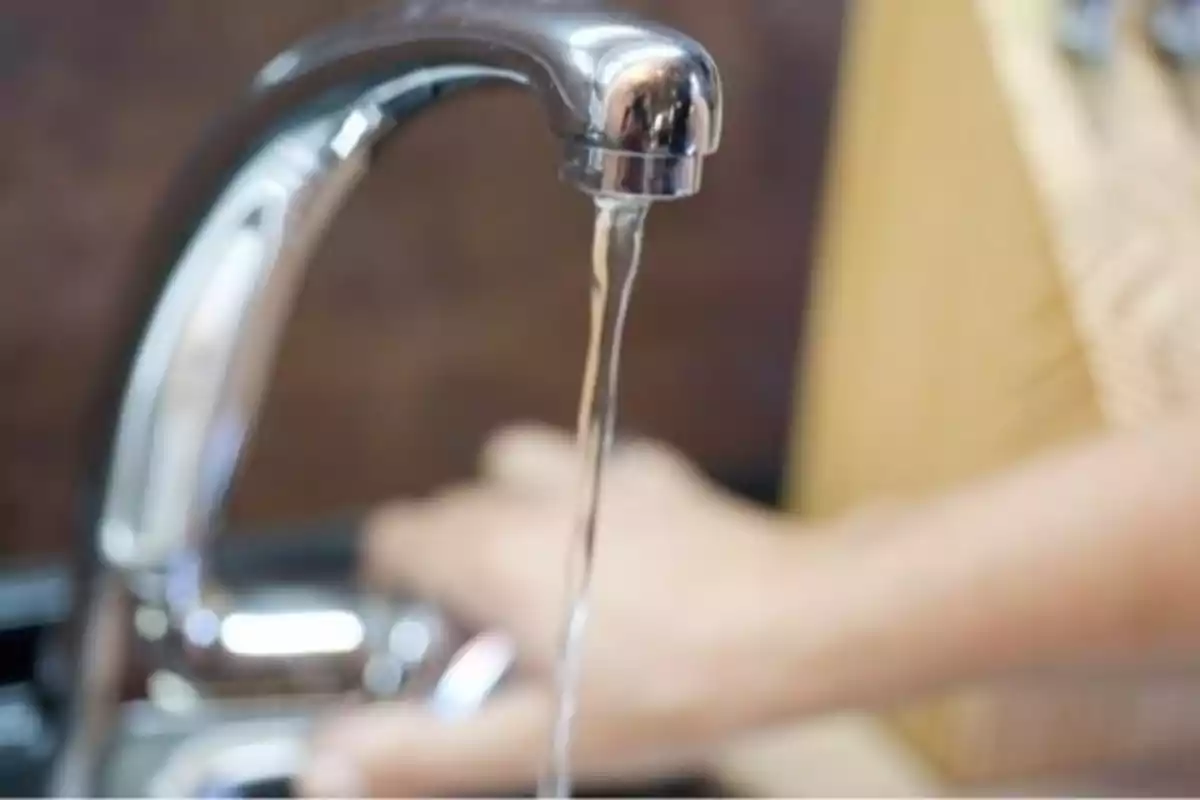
(1009, 260)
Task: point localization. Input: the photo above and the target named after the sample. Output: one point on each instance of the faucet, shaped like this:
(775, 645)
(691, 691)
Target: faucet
(236, 669)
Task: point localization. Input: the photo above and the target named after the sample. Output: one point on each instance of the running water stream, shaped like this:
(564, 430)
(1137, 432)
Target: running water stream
(616, 251)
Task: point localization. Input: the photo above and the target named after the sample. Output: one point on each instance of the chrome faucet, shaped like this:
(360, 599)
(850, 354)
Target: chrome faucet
(236, 670)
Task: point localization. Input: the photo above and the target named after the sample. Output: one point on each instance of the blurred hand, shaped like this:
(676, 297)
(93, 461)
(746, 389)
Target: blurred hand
(706, 623)
(682, 575)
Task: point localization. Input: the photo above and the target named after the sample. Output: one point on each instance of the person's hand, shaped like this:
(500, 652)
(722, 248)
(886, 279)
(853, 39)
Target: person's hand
(680, 604)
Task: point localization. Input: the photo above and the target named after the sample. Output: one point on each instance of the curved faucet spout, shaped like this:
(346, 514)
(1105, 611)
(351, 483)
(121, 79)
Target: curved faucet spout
(637, 104)
(637, 108)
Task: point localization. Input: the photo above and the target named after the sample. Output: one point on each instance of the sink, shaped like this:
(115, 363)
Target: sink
(247, 748)
(251, 749)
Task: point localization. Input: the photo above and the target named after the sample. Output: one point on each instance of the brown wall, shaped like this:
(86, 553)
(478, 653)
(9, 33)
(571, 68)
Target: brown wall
(450, 295)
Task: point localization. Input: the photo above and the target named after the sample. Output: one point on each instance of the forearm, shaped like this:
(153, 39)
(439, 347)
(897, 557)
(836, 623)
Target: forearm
(1085, 557)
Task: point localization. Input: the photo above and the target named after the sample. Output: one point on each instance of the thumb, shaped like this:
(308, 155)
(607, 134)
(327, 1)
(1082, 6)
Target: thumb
(532, 457)
(407, 749)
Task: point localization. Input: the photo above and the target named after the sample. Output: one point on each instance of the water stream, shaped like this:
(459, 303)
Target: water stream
(616, 251)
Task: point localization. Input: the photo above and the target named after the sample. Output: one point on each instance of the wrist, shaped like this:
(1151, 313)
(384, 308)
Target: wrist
(749, 653)
(814, 645)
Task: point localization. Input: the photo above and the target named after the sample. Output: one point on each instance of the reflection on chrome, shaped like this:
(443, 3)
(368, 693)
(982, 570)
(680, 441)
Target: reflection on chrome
(291, 633)
(472, 675)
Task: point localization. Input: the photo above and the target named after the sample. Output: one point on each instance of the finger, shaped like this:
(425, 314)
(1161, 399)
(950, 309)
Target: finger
(546, 459)
(531, 456)
(646, 457)
(408, 750)
(438, 548)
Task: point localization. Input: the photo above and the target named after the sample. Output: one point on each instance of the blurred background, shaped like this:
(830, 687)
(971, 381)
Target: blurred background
(448, 298)
(934, 254)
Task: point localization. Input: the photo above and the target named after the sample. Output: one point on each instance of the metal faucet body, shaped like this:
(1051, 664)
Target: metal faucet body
(637, 108)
